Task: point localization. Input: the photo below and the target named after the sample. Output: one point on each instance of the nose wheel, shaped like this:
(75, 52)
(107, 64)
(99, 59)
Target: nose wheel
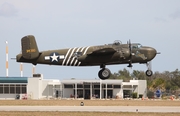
(104, 73)
(149, 70)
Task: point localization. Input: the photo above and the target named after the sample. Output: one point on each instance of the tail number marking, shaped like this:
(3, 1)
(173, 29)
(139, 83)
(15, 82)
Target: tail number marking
(30, 50)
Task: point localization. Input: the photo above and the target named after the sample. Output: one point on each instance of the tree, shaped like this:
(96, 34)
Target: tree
(122, 74)
(158, 83)
(165, 81)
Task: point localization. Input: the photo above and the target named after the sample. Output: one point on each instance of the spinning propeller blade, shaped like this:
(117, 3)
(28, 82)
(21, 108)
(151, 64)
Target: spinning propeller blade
(130, 50)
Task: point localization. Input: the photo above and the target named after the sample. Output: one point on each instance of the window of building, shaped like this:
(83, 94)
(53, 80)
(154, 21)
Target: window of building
(1, 89)
(23, 89)
(68, 86)
(18, 90)
(79, 86)
(117, 86)
(108, 86)
(12, 89)
(6, 89)
(86, 86)
(97, 86)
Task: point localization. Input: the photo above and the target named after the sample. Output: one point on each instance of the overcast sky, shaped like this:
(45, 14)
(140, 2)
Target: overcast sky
(60, 24)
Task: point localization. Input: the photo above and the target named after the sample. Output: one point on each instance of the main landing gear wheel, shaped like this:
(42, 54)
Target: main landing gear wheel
(149, 73)
(104, 73)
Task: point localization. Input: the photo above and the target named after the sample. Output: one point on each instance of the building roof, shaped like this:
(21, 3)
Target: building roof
(13, 79)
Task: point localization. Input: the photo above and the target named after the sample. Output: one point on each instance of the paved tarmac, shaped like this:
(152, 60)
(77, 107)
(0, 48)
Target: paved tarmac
(162, 109)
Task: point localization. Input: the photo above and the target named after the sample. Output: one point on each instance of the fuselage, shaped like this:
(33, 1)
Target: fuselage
(101, 55)
(81, 56)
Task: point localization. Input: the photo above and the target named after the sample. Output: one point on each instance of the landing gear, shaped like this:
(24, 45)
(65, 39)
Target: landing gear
(130, 65)
(104, 73)
(149, 71)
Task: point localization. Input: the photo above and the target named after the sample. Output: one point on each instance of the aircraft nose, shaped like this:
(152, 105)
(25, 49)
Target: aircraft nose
(151, 53)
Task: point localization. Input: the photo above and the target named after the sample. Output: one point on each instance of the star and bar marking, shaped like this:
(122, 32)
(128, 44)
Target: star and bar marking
(54, 57)
(68, 59)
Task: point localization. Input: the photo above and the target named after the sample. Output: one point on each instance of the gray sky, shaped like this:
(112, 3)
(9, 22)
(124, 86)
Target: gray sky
(60, 24)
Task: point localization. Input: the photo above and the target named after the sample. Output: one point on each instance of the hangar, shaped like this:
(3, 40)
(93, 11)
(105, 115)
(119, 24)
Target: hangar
(38, 88)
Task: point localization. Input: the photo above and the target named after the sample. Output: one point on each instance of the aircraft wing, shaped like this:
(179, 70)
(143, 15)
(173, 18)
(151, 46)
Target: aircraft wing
(102, 51)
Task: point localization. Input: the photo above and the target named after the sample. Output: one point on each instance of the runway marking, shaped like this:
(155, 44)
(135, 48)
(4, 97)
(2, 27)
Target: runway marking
(162, 109)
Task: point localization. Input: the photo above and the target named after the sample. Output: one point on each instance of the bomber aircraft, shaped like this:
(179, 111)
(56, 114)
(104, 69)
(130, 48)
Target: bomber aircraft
(101, 55)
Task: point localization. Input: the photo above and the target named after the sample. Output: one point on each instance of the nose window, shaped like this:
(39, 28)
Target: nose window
(139, 45)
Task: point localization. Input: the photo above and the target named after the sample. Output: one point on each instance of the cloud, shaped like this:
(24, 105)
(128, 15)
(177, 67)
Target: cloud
(8, 10)
(175, 15)
(160, 19)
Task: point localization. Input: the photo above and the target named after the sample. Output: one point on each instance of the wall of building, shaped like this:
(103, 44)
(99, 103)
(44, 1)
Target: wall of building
(142, 87)
(67, 93)
(34, 88)
(11, 90)
(12, 96)
(50, 90)
(46, 89)
(135, 88)
(39, 89)
(118, 93)
(8, 96)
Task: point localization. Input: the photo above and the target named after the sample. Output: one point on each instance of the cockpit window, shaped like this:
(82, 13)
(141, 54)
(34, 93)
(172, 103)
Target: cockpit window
(117, 42)
(136, 46)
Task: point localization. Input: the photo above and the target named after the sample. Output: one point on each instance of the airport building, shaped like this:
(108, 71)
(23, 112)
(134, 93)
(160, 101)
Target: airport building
(38, 88)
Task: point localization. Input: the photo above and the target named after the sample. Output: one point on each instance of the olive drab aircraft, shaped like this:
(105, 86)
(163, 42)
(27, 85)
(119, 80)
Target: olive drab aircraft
(101, 55)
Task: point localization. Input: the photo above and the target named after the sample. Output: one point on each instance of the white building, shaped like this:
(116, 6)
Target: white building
(38, 88)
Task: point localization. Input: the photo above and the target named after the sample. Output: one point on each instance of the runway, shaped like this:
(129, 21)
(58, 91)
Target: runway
(160, 109)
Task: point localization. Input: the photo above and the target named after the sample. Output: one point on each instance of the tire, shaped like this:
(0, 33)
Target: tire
(17, 96)
(149, 73)
(81, 104)
(104, 73)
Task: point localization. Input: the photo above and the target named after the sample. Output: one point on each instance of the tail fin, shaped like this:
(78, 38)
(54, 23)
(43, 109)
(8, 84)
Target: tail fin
(29, 47)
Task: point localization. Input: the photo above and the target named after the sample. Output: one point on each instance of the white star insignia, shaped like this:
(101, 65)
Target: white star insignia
(54, 57)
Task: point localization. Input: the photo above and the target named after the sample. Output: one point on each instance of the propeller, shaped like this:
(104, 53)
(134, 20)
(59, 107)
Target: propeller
(130, 50)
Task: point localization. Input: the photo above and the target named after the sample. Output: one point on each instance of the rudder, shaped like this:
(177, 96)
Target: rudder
(29, 47)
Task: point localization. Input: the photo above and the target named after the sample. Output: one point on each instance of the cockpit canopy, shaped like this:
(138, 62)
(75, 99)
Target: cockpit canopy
(117, 42)
(133, 45)
(136, 45)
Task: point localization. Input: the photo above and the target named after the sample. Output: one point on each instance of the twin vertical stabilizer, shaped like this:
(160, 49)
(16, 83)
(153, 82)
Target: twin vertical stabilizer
(29, 47)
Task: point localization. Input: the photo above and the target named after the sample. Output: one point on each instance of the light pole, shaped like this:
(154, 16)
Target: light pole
(21, 69)
(7, 59)
(33, 70)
